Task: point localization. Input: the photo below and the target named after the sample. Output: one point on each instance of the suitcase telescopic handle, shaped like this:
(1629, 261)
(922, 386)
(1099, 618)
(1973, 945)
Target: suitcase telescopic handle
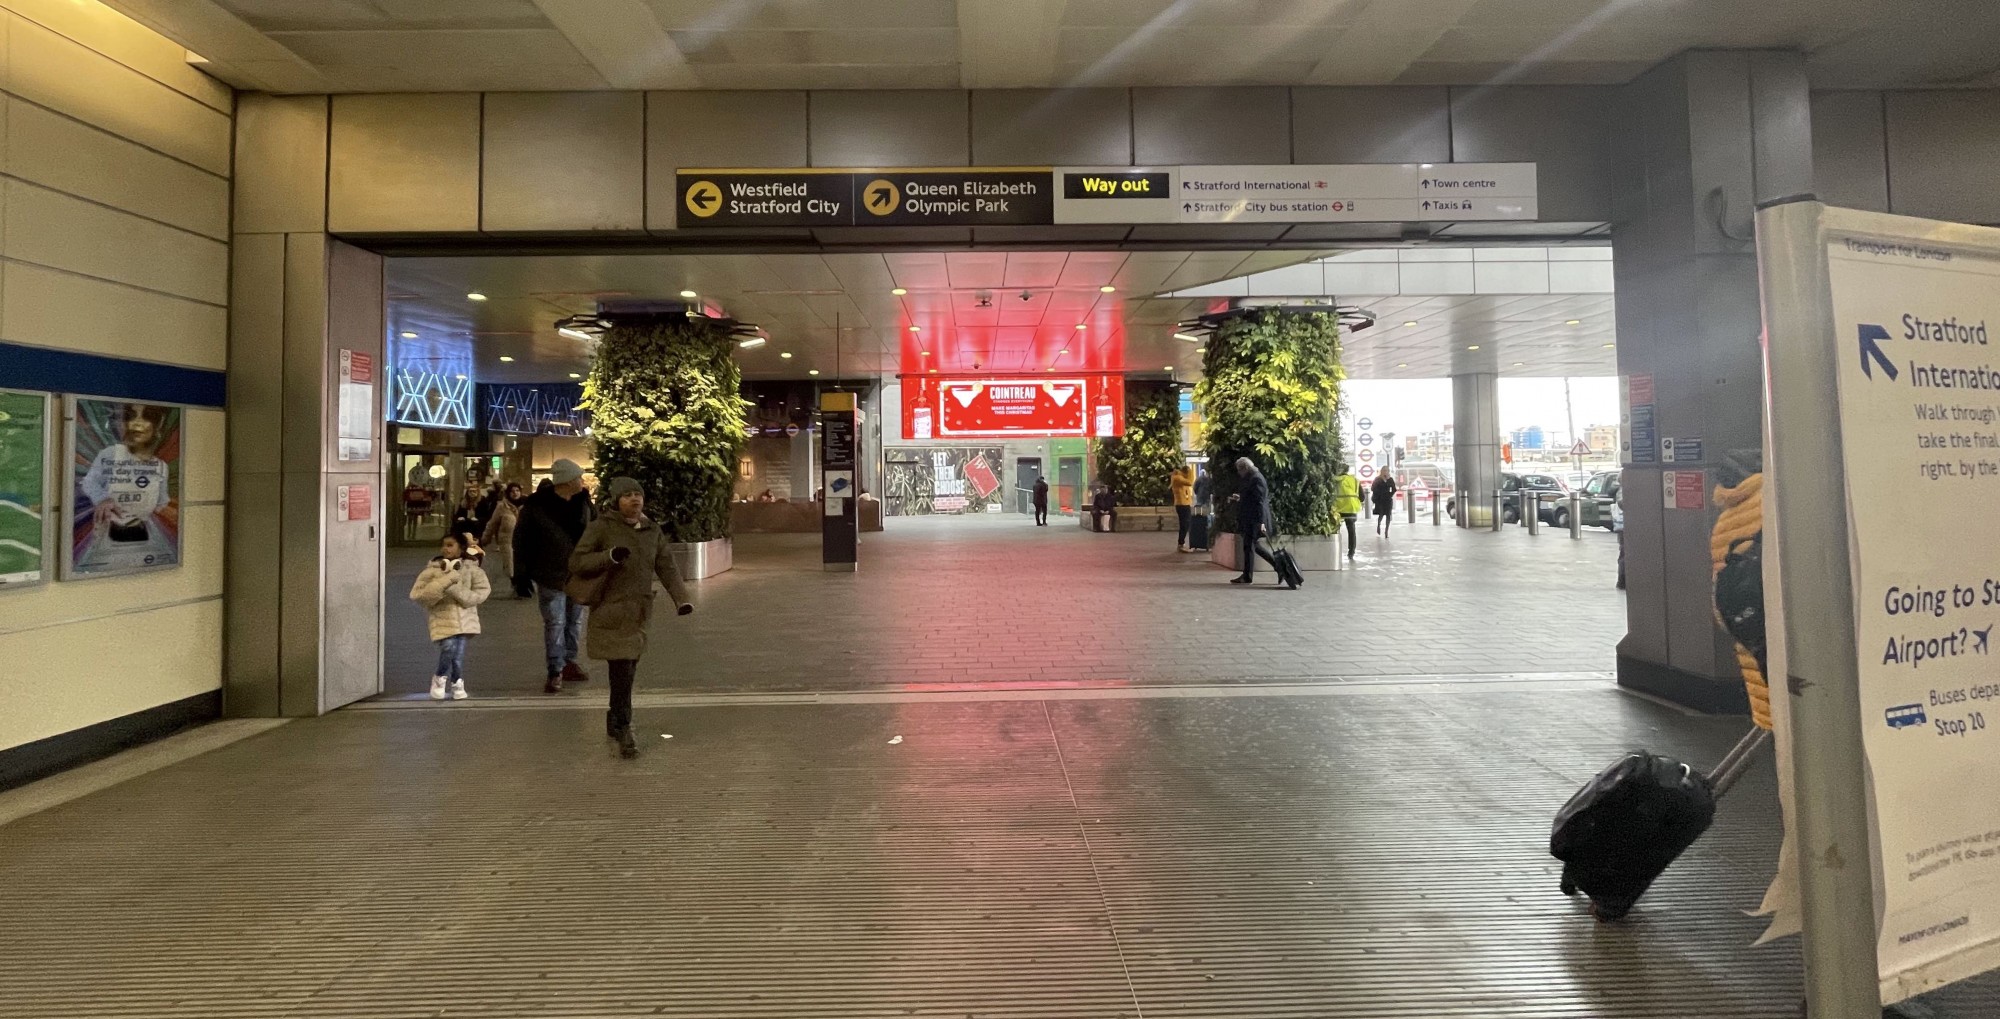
(1737, 761)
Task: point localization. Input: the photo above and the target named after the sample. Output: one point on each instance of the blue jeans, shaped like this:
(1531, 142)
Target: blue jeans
(451, 657)
(562, 626)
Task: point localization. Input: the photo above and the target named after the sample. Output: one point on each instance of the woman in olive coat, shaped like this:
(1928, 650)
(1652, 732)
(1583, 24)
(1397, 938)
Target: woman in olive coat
(630, 546)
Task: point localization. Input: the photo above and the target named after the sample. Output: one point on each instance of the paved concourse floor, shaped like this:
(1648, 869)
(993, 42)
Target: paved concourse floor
(992, 599)
(1341, 851)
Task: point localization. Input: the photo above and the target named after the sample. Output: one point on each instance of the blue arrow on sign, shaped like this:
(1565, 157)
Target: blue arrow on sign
(1870, 350)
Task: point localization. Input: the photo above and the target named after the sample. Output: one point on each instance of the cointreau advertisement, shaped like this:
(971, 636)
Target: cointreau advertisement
(1084, 406)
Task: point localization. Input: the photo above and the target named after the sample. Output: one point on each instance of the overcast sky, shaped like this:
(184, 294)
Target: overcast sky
(1422, 405)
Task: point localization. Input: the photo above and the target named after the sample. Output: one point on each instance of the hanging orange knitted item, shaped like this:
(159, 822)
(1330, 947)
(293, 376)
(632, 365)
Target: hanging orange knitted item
(1738, 530)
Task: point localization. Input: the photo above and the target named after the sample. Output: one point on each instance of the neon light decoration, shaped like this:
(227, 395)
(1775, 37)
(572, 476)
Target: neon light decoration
(429, 398)
(547, 409)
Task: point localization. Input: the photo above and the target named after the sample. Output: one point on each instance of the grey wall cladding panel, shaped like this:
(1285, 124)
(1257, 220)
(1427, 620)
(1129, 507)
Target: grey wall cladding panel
(1565, 129)
(563, 161)
(1849, 165)
(1211, 125)
(890, 128)
(1053, 127)
(1943, 147)
(281, 164)
(1371, 125)
(404, 164)
(717, 129)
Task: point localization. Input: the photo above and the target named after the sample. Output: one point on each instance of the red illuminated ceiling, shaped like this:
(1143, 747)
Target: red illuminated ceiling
(1012, 331)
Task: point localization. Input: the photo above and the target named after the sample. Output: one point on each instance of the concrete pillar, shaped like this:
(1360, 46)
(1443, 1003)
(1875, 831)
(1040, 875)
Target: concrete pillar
(302, 629)
(1475, 451)
(1704, 137)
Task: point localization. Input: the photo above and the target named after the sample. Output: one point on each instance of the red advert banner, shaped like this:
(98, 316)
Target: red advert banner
(958, 408)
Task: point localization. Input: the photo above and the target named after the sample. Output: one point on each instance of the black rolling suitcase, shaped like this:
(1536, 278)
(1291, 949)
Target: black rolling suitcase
(1288, 568)
(1625, 827)
(1198, 532)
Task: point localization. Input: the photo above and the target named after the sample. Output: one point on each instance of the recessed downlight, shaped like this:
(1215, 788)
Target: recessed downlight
(1472, 346)
(899, 291)
(689, 295)
(1518, 364)
(1411, 324)
(1404, 364)
(1608, 346)
(460, 377)
(576, 375)
(506, 358)
(1080, 325)
(752, 343)
(812, 371)
(1065, 350)
(1574, 322)
(1107, 289)
(407, 334)
(916, 329)
(787, 355)
(1189, 337)
(1168, 368)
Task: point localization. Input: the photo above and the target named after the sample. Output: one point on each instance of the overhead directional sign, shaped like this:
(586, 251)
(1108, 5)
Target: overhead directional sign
(1040, 195)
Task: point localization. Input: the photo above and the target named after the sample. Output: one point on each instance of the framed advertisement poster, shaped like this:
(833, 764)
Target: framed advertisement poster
(25, 559)
(125, 487)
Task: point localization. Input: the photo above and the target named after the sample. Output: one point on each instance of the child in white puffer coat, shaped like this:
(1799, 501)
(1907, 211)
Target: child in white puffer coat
(450, 589)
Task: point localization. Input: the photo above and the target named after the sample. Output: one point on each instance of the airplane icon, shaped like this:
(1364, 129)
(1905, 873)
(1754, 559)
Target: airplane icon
(1979, 638)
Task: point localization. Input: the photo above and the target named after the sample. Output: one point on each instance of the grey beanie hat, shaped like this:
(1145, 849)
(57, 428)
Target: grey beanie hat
(564, 472)
(618, 488)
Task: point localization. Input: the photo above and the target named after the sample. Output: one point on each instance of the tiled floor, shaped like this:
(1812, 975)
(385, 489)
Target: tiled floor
(1357, 852)
(993, 599)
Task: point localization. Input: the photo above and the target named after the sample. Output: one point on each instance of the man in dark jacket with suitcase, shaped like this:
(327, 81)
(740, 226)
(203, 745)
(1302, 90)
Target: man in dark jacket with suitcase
(1253, 520)
(551, 522)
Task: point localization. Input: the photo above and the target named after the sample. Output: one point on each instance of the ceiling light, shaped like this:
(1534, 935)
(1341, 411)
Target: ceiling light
(1608, 346)
(1472, 346)
(899, 291)
(461, 378)
(1107, 289)
(475, 296)
(504, 357)
(1080, 325)
(575, 375)
(576, 334)
(923, 353)
(916, 329)
(1201, 350)
(408, 335)
(1411, 324)
(1190, 337)
(787, 355)
(812, 371)
(933, 371)
(1065, 350)
(1168, 368)
(1050, 368)
(752, 343)
(1518, 364)
(689, 295)
(1404, 364)
(1574, 322)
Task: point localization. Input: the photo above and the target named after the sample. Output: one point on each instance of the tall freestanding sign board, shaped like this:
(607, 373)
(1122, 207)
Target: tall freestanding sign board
(840, 467)
(1882, 377)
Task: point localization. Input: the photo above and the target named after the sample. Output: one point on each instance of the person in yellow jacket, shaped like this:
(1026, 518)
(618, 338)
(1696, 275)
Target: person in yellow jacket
(1347, 503)
(1182, 482)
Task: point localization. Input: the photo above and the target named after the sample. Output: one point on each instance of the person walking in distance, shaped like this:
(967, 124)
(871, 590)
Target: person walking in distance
(1181, 481)
(498, 541)
(551, 522)
(1041, 498)
(1382, 491)
(1347, 503)
(450, 589)
(1253, 519)
(628, 545)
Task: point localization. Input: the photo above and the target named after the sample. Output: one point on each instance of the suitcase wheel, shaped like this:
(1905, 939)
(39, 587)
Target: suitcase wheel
(1608, 914)
(1569, 888)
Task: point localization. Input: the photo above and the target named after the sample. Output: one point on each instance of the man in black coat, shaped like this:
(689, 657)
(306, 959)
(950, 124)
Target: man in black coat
(1041, 502)
(552, 520)
(1253, 519)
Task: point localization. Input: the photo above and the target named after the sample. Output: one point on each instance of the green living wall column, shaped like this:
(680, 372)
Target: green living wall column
(1136, 465)
(1270, 388)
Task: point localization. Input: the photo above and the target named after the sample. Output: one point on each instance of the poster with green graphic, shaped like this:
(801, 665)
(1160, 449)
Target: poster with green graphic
(24, 488)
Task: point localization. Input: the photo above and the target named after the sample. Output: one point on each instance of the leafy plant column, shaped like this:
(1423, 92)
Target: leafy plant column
(665, 404)
(1271, 383)
(1136, 465)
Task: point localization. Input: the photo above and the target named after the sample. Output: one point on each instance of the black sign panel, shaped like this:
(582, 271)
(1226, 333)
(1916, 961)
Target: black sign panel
(792, 198)
(1117, 185)
(954, 198)
(837, 436)
(776, 198)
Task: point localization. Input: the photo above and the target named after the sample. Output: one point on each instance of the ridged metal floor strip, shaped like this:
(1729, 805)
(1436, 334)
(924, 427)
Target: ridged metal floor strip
(1355, 857)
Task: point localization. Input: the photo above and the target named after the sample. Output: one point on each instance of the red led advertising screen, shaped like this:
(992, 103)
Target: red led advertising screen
(959, 408)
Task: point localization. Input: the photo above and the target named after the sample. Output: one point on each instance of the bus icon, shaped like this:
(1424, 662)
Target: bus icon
(1906, 715)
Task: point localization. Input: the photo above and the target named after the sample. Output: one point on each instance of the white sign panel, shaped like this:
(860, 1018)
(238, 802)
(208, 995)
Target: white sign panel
(1919, 402)
(1368, 193)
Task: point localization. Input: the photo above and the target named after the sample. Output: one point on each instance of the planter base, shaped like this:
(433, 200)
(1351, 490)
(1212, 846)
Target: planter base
(704, 559)
(1137, 518)
(1314, 553)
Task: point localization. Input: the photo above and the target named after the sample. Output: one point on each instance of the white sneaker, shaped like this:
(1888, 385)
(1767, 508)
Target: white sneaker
(458, 690)
(437, 688)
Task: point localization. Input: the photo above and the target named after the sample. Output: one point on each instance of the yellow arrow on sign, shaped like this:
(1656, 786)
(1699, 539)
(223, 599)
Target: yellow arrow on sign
(880, 196)
(704, 199)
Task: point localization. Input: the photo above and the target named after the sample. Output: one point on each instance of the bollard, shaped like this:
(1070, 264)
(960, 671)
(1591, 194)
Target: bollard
(1410, 498)
(1531, 508)
(1499, 504)
(1576, 516)
(1435, 510)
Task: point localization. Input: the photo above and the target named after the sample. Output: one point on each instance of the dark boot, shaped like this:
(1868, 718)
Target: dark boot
(554, 685)
(628, 747)
(611, 725)
(572, 674)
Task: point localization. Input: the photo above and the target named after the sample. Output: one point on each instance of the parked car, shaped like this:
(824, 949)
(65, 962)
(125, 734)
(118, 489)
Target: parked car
(1514, 487)
(1600, 496)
